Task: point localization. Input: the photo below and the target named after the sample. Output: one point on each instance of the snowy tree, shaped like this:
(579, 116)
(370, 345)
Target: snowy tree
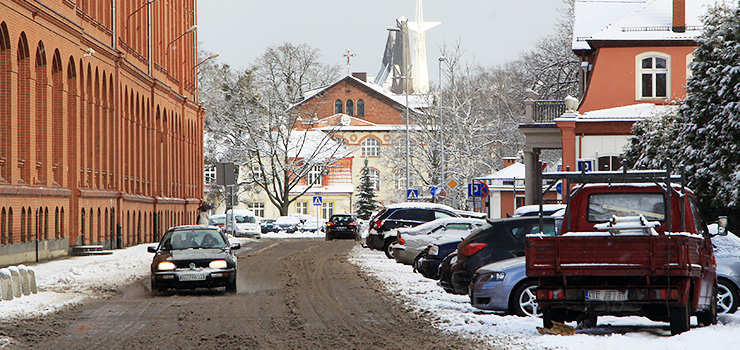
(366, 203)
(704, 137)
(249, 122)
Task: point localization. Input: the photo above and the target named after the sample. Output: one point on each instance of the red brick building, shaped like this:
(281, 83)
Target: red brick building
(100, 129)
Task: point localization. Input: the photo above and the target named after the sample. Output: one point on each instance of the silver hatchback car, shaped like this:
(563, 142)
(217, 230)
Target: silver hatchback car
(504, 286)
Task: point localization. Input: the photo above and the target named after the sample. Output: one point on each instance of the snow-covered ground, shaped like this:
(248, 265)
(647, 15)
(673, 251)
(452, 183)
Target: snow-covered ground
(70, 281)
(455, 314)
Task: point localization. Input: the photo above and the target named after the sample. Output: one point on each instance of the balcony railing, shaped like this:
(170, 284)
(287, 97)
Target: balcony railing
(547, 110)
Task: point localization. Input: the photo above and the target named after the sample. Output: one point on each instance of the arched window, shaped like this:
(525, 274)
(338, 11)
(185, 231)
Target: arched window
(350, 107)
(371, 147)
(3, 228)
(23, 224)
(653, 76)
(360, 108)
(338, 106)
(5, 79)
(374, 179)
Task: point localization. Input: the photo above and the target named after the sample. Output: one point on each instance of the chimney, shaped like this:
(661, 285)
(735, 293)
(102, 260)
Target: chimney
(679, 16)
(509, 161)
(362, 76)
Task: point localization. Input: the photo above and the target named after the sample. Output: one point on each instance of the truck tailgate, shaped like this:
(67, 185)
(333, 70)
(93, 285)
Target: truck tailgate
(619, 255)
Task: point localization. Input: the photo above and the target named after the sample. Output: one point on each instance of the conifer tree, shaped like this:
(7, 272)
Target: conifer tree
(366, 203)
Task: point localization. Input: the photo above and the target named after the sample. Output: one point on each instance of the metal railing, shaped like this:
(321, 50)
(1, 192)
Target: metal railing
(545, 111)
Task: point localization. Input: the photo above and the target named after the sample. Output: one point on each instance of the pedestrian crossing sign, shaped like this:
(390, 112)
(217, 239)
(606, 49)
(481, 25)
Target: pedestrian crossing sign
(412, 195)
(316, 200)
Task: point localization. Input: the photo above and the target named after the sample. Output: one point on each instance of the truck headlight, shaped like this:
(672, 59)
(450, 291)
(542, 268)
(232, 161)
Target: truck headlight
(166, 266)
(218, 264)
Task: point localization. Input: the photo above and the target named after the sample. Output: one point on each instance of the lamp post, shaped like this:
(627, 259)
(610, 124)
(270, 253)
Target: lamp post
(399, 28)
(190, 30)
(441, 139)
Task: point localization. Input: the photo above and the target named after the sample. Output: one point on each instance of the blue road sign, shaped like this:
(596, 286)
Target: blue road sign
(316, 200)
(477, 190)
(559, 188)
(435, 191)
(412, 195)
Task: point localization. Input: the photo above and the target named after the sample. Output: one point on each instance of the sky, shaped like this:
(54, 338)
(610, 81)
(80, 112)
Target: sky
(490, 32)
(75, 280)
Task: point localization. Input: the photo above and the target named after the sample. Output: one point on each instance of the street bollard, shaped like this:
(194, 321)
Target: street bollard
(15, 281)
(25, 285)
(6, 287)
(32, 280)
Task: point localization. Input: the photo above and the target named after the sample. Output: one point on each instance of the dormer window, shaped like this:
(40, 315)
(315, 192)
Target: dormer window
(338, 106)
(360, 108)
(653, 76)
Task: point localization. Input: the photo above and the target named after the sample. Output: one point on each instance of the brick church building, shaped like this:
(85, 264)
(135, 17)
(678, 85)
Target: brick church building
(100, 129)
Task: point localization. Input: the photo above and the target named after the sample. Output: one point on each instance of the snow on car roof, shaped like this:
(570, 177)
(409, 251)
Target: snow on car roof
(428, 226)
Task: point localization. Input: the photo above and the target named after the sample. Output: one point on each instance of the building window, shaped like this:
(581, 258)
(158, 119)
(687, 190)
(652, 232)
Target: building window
(255, 173)
(258, 208)
(371, 147)
(653, 78)
(315, 175)
(350, 107)
(374, 179)
(337, 106)
(301, 208)
(360, 108)
(209, 174)
(401, 182)
(327, 210)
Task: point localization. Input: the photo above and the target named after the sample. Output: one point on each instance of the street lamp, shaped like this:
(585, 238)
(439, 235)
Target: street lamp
(212, 56)
(441, 140)
(401, 22)
(190, 30)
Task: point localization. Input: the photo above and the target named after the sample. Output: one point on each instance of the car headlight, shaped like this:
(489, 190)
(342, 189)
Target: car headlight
(492, 277)
(433, 250)
(166, 266)
(218, 264)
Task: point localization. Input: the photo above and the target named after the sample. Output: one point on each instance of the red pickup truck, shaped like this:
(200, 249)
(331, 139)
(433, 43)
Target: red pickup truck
(632, 243)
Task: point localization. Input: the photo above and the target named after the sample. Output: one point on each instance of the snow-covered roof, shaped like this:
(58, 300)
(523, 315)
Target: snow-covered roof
(633, 112)
(305, 145)
(515, 170)
(634, 20)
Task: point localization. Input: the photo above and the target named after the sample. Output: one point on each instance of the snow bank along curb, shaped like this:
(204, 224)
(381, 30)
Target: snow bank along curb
(16, 281)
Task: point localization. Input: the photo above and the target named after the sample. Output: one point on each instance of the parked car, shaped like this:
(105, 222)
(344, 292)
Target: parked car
(218, 220)
(287, 224)
(727, 254)
(380, 234)
(504, 286)
(342, 226)
(412, 241)
(429, 263)
(445, 272)
(313, 225)
(498, 240)
(190, 257)
(267, 225)
(534, 210)
(243, 223)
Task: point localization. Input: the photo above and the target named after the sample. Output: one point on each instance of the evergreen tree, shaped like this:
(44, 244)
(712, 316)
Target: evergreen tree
(366, 203)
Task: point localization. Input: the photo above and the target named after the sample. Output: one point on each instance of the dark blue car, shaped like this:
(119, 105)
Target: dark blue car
(428, 264)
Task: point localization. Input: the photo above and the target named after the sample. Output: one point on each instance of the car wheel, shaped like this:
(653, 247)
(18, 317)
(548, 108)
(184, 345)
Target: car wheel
(416, 262)
(727, 297)
(524, 300)
(231, 287)
(157, 290)
(387, 248)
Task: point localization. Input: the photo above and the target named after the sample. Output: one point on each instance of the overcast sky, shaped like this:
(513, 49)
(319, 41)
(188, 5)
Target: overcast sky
(491, 32)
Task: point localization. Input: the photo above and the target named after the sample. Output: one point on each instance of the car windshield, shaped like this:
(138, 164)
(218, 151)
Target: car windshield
(341, 219)
(220, 220)
(192, 239)
(240, 219)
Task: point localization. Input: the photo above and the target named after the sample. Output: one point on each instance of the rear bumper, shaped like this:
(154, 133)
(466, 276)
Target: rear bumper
(341, 233)
(404, 256)
(375, 241)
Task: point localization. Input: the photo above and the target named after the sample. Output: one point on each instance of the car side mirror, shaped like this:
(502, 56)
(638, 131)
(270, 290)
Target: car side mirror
(722, 226)
(151, 249)
(236, 246)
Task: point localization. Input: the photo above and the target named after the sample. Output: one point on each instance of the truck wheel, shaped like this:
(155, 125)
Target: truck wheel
(524, 300)
(679, 319)
(727, 297)
(709, 317)
(387, 247)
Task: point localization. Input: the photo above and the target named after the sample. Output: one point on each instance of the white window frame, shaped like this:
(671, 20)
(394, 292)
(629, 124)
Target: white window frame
(256, 173)
(327, 210)
(374, 179)
(315, 173)
(639, 71)
(301, 207)
(371, 150)
(258, 208)
(209, 174)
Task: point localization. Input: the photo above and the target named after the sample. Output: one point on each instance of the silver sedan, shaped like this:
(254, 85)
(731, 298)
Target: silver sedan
(504, 286)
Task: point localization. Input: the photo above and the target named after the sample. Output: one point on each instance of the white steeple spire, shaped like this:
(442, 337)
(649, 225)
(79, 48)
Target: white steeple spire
(420, 71)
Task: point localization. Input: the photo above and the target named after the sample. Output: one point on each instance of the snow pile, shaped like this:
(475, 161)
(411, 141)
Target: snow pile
(454, 313)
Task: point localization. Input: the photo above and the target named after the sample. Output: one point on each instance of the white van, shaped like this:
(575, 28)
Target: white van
(243, 223)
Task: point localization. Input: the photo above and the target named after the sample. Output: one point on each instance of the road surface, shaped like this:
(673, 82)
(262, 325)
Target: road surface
(292, 294)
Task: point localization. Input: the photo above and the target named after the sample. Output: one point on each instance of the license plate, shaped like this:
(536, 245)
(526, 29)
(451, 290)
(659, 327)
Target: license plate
(606, 295)
(193, 277)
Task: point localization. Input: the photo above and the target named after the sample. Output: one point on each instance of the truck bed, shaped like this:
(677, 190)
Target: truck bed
(602, 254)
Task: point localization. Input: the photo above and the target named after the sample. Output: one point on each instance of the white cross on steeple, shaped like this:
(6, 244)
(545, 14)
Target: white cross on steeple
(349, 56)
